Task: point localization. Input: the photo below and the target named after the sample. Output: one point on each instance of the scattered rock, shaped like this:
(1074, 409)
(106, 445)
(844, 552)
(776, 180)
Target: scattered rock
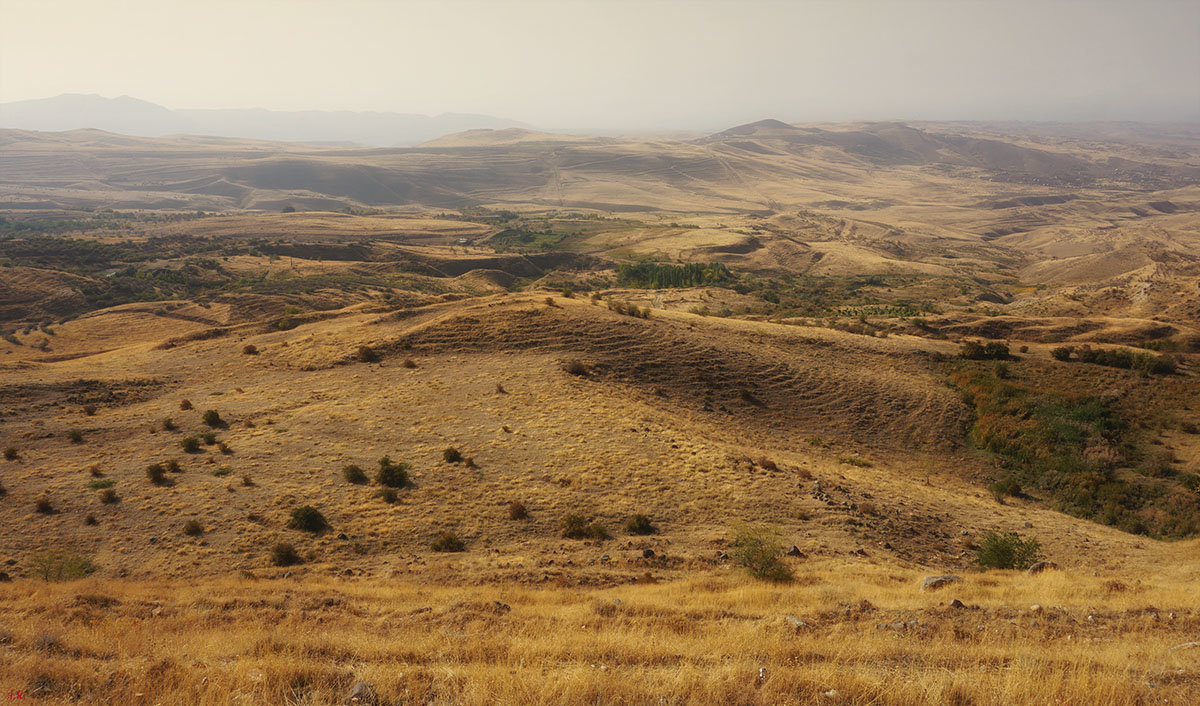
(795, 622)
(933, 583)
(957, 604)
(342, 535)
(4, 577)
(795, 551)
(361, 693)
(1028, 524)
(1043, 566)
(1185, 646)
(647, 553)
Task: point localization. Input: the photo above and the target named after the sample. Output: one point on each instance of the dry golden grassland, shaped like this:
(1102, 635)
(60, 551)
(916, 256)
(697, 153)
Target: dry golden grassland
(842, 633)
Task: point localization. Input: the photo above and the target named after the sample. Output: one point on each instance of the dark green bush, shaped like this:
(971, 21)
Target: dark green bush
(574, 367)
(1062, 353)
(392, 475)
(108, 496)
(213, 419)
(11, 453)
(366, 354)
(190, 444)
(193, 528)
(309, 519)
(156, 473)
(75, 436)
(354, 474)
(1007, 551)
(389, 495)
(517, 511)
(451, 455)
(284, 554)
(44, 506)
(993, 350)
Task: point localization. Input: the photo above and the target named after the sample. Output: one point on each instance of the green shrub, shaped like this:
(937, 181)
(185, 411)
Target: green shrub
(517, 511)
(44, 506)
(213, 419)
(11, 453)
(354, 474)
(108, 496)
(993, 350)
(208, 438)
(451, 455)
(284, 554)
(172, 465)
(156, 473)
(309, 519)
(250, 349)
(640, 524)
(1007, 551)
(75, 436)
(1062, 353)
(62, 565)
(169, 424)
(366, 354)
(190, 444)
(193, 528)
(101, 484)
(389, 495)
(759, 550)
(1006, 486)
(448, 542)
(392, 475)
(222, 471)
(580, 527)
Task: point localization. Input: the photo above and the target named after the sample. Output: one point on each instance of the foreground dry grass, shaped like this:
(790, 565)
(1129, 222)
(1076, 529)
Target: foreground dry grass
(843, 633)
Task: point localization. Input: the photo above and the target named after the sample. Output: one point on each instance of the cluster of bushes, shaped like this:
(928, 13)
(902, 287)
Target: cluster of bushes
(662, 276)
(1072, 449)
(1123, 358)
(993, 350)
(629, 309)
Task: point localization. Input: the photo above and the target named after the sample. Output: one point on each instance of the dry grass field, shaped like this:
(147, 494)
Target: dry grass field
(544, 393)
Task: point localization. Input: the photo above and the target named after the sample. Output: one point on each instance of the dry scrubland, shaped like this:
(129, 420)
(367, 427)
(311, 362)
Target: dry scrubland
(842, 633)
(776, 336)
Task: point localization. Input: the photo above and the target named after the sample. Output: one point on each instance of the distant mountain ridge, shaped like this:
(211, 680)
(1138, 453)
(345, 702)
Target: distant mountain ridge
(131, 116)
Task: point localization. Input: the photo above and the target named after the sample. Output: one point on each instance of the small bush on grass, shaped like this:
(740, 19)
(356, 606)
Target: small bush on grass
(517, 511)
(11, 453)
(213, 419)
(452, 455)
(309, 519)
(108, 496)
(575, 367)
(169, 424)
(101, 484)
(409, 363)
(448, 542)
(993, 350)
(640, 524)
(580, 527)
(89, 410)
(250, 349)
(44, 506)
(193, 528)
(91, 520)
(389, 496)
(284, 554)
(208, 438)
(759, 550)
(62, 565)
(172, 465)
(392, 475)
(75, 436)
(354, 474)
(190, 444)
(1006, 486)
(1007, 551)
(222, 471)
(157, 474)
(366, 354)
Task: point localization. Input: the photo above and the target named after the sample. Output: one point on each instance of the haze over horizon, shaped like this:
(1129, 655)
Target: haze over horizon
(659, 65)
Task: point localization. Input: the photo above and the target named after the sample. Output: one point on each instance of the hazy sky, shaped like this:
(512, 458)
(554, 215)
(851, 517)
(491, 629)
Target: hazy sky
(620, 64)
